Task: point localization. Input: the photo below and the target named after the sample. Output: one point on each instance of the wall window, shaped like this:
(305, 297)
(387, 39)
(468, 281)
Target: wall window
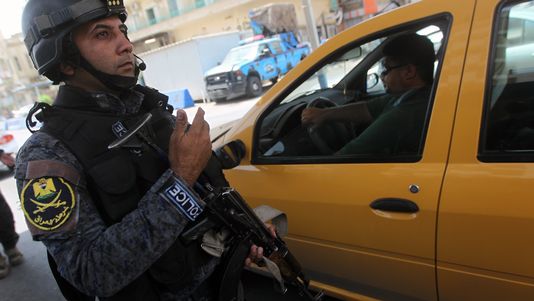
(151, 16)
(508, 125)
(199, 3)
(173, 8)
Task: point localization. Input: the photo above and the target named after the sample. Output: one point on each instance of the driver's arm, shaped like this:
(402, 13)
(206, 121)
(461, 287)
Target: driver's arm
(355, 112)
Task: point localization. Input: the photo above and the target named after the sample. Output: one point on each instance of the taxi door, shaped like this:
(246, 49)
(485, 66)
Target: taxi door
(347, 242)
(486, 215)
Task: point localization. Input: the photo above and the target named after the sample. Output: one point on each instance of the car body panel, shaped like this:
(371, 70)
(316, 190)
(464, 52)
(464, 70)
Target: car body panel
(486, 211)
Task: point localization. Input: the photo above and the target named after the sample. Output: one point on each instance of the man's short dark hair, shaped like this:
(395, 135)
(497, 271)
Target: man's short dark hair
(411, 48)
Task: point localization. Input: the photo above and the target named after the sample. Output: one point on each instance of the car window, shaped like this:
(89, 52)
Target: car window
(352, 75)
(333, 72)
(238, 54)
(277, 48)
(508, 125)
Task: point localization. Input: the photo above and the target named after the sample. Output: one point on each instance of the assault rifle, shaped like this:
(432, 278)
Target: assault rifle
(226, 210)
(225, 207)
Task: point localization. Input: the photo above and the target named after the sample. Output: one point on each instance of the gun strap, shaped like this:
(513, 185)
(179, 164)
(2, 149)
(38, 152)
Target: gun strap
(277, 275)
(229, 289)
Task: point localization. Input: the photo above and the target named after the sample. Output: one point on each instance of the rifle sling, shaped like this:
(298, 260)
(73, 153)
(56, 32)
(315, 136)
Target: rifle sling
(229, 289)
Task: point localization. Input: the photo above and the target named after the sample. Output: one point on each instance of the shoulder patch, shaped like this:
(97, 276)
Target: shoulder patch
(48, 202)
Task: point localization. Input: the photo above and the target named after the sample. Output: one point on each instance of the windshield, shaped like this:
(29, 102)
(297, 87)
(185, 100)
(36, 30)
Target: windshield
(247, 52)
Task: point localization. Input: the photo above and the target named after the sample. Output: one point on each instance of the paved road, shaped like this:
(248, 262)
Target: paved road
(32, 281)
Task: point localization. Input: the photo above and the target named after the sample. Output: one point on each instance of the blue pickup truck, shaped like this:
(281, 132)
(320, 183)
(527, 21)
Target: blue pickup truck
(246, 67)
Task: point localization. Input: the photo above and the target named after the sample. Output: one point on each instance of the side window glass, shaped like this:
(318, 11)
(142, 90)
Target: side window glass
(353, 108)
(276, 47)
(508, 126)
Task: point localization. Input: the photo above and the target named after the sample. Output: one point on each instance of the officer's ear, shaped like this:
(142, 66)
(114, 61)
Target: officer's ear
(67, 69)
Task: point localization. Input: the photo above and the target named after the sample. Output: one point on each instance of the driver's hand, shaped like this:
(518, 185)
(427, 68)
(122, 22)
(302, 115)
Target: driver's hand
(189, 150)
(312, 116)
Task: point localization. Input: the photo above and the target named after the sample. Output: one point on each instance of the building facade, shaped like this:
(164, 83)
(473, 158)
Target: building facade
(20, 84)
(155, 23)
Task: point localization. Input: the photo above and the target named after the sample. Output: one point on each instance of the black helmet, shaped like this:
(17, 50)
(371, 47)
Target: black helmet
(45, 23)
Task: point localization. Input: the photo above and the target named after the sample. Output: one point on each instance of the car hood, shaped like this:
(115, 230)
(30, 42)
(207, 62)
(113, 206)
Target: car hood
(218, 132)
(224, 67)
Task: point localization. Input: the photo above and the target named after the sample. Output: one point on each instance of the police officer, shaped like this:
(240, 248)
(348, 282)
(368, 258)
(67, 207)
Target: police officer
(109, 218)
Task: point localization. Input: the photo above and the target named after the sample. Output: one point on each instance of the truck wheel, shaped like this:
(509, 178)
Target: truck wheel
(254, 87)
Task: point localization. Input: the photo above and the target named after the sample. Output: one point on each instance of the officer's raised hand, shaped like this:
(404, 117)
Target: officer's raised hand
(189, 149)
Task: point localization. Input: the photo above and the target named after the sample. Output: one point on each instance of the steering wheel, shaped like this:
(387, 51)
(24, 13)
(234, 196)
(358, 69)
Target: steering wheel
(329, 136)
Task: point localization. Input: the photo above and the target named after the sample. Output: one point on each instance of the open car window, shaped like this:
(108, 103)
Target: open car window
(350, 75)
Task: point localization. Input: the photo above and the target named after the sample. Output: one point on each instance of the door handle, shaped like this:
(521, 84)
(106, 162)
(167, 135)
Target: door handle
(395, 205)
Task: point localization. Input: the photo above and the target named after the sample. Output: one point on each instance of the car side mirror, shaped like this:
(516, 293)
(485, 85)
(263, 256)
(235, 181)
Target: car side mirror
(265, 52)
(230, 154)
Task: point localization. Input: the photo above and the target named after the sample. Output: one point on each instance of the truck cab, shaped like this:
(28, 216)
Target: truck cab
(246, 67)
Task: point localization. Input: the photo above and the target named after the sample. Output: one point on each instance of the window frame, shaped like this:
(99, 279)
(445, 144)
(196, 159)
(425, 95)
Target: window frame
(442, 18)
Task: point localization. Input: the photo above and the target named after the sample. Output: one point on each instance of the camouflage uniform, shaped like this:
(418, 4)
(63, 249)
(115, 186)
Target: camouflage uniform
(97, 259)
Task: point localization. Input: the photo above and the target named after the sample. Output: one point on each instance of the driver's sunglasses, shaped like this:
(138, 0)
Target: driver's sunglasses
(387, 69)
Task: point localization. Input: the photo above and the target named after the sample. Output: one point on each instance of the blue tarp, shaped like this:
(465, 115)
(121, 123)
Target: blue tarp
(180, 99)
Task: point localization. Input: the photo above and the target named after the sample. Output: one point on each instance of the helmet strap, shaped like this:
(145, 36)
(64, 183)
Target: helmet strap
(117, 83)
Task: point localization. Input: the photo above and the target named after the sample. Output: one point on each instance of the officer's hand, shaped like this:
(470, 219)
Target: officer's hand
(189, 151)
(313, 116)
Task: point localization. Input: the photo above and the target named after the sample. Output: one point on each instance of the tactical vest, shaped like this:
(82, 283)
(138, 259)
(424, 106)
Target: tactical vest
(117, 179)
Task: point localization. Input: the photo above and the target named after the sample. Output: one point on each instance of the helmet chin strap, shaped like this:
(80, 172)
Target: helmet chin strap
(117, 83)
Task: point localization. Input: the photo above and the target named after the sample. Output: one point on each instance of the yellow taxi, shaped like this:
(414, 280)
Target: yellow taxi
(452, 219)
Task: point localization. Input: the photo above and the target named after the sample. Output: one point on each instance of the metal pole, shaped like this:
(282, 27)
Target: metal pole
(310, 23)
(37, 93)
(314, 38)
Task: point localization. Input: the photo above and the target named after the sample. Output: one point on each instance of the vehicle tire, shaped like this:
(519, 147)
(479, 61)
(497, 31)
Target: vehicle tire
(254, 87)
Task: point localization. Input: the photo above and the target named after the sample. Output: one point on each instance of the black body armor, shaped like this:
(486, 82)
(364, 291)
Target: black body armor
(118, 178)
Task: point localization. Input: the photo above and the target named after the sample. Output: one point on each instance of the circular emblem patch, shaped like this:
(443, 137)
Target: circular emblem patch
(47, 202)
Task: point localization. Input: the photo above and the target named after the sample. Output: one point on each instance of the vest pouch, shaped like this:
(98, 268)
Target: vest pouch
(116, 189)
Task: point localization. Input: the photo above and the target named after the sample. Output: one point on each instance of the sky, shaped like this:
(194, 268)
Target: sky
(10, 14)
